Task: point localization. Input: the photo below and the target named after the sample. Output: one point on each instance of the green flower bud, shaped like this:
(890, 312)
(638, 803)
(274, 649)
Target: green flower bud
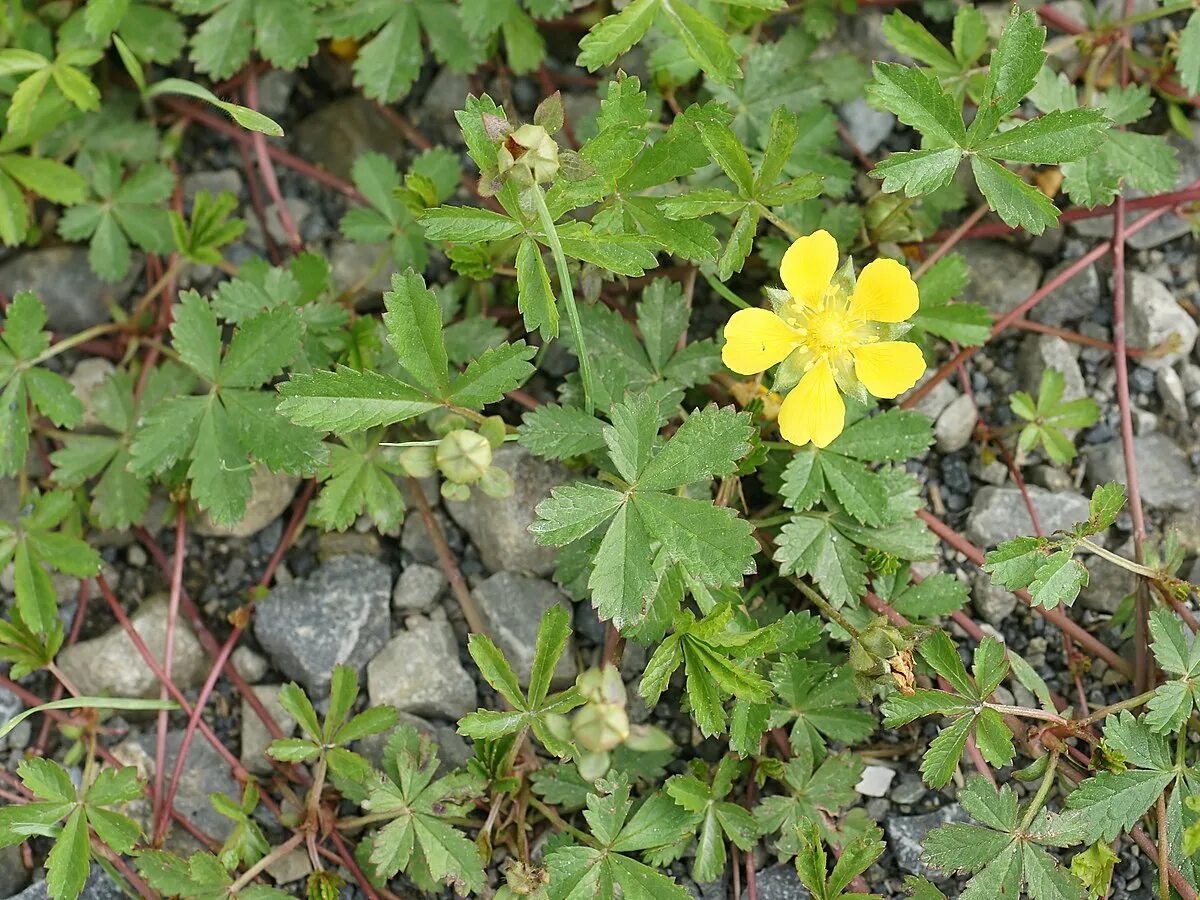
(419, 462)
(529, 154)
(464, 456)
(602, 686)
(600, 727)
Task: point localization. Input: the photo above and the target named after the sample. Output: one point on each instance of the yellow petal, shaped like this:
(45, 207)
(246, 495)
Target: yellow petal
(814, 410)
(809, 265)
(889, 368)
(756, 339)
(885, 292)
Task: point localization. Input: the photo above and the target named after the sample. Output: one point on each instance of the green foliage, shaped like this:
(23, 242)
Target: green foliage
(1050, 417)
(917, 98)
(68, 813)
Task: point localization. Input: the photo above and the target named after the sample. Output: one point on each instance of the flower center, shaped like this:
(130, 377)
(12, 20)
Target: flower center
(828, 328)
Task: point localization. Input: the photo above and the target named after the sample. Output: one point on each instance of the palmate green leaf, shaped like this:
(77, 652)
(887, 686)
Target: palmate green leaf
(822, 703)
(1014, 564)
(1058, 580)
(813, 794)
(1109, 803)
(1058, 136)
(811, 545)
(938, 595)
(360, 478)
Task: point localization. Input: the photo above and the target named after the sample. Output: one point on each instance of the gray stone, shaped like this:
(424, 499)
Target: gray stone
(13, 874)
(111, 665)
(356, 272)
(250, 665)
(270, 494)
(875, 781)
(906, 835)
(1072, 300)
(414, 536)
(86, 378)
(1107, 584)
(418, 588)
(99, 886)
(11, 705)
(291, 866)
(274, 92)
(1052, 478)
(340, 132)
(446, 93)
(419, 672)
(75, 298)
(339, 614)
(204, 773)
(1040, 352)
(956, 424)
(910, 790)
(1189, 374)
(868, 127)
(1165, 477)
(993, 602)
(1000, 514)
(1002, 276)
(300, 210)
(780, 882)
(513, 606)
(214, 183)
(1154, 317)
(499, 528)
(939, 397)
(255, 736)
(1171, 393)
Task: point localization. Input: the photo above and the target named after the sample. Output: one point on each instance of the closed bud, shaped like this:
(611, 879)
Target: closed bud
(529, 154)
(600, 727)
(464, 456)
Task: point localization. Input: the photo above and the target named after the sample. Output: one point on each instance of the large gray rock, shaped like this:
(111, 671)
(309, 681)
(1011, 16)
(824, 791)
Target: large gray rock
(255, 736)
(1040, 352)
(999, 513)
(906, 835)
(513, 606)
(1165, 477)
(499, 528)
(419, 672)
(339, 614)
(780, 882)
(1072, 300)
(339, 132)
(270, 494)
(111, 664)
(1002, 276)
(13, 875)
(204, 773)
(97, 887)
(62, 278)
(1154, 316)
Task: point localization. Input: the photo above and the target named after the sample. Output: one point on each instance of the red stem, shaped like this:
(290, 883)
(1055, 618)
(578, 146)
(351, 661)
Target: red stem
(160, 747)
(259, 142)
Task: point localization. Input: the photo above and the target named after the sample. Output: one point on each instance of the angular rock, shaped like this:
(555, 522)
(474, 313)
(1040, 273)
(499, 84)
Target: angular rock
(1072, 300)
(339, 132)
(99, 886)
(1165, 476)
(414, 537)
(955, 425)
(300, 210)
(999, 513)
(290, 867)
(513, 606)
(75, 298)
(906, 835)
(868, 127)
(255, 736)
(1172, 395)
(499, 528)
(993, 602)
(419, 672)
(418, 588)
(204, 773)
(1002, 276)
(1154, 317)
(1107, 584)
(1040, 352)
(250, 665)
(780, 882)
(215, 183)
(270, 494)
(339, 614)
(111, 664)
(875, 781)
(939, 397)
(13, 874)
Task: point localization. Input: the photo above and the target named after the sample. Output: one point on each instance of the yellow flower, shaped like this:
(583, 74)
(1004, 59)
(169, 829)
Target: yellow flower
(833, 334)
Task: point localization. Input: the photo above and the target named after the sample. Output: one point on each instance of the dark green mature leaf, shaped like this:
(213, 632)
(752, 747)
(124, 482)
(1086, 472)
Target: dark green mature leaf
(1058, 136)
(917, 99)
(1017, 203)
